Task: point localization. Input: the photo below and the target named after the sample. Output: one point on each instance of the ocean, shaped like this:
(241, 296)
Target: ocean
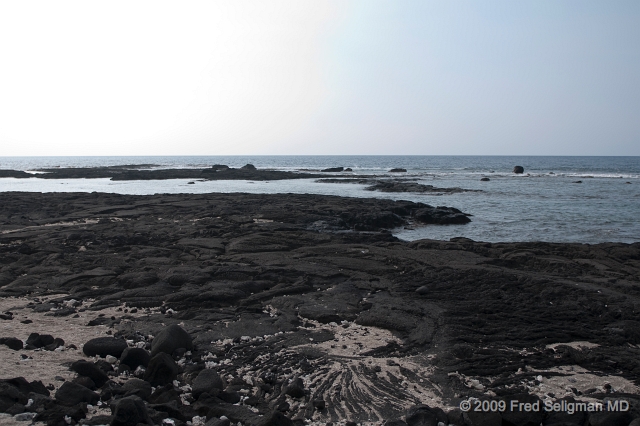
(543, 204)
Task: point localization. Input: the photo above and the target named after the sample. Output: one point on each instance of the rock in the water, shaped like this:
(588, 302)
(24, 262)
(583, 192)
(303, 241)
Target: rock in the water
(133, 357)
(485, 179)
(129, 411)
(348, 169)
(90, 370)
(441, 215)
(72, 393)
(248, 167)
(398, 170)
(171, 338)
(103, 346)
(296, 388)
(206, 381)
(162, 370)
(333, 170)
(12, 343)
(518, 169)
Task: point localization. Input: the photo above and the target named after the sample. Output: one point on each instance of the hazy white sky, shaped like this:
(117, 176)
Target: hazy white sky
(319, 77)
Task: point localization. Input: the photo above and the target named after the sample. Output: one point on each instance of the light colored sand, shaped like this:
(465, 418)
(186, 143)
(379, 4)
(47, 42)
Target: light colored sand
(46, 365)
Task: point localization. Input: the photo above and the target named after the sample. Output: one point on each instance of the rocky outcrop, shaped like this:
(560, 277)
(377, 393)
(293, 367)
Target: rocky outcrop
(286, 308)
(518, 169)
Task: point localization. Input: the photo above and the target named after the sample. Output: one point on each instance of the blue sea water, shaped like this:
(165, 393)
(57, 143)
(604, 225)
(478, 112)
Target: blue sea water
(543, 204)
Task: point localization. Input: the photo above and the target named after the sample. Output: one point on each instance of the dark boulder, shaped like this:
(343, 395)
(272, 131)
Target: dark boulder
(218, 422)
(522, 417)
(206, 381)
(478, 418)
(57, 343)
(133, 357)
(441, 216)
(170, 339)
(518, 169)
(165, 394)
(36, 340)
(348, 169)
(295, 388)
(12, 343)
(72, 393)
(9, 396)
(423, 415)
(333, 170)
(610, 418)
(103, 346)
(86, 382)
(276, 419)
(137, 387)
(248, 167)
(90, 370)
(162, 370)
(485, 179)
(129, 411)
(398, 170)
(56, 415)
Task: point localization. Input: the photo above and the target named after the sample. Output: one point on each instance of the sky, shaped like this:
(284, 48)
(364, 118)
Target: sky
(347, 77)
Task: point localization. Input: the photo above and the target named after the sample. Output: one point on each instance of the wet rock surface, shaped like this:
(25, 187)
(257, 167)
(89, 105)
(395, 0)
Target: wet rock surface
(152, 172)
(274, 309)
(398, 185)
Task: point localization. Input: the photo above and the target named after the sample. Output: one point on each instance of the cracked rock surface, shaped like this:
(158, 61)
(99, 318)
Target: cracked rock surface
(303, 307)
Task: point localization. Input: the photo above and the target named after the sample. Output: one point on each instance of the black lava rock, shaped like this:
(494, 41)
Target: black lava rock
(90, 370)
(518, 169)
(398, 170)
(133, 357)
(423, 415)
(333, 169)
(10, 395)
(12, 343)
(57, 342)
(129, 411)
(36, 340)
(137, 387)
(162, 370)
(295, 388)
(72, 393)
(170, 339)
(441, 215)
(103, 346)
(206, 381)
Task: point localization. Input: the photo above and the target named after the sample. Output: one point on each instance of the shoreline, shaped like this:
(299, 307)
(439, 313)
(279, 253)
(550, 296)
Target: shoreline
(253, 278)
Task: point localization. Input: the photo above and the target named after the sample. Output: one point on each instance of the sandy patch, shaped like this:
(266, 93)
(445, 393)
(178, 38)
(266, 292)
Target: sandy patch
(46, 365)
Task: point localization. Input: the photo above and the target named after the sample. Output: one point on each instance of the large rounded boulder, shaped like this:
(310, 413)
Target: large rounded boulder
(171, 338)
(103, 346)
